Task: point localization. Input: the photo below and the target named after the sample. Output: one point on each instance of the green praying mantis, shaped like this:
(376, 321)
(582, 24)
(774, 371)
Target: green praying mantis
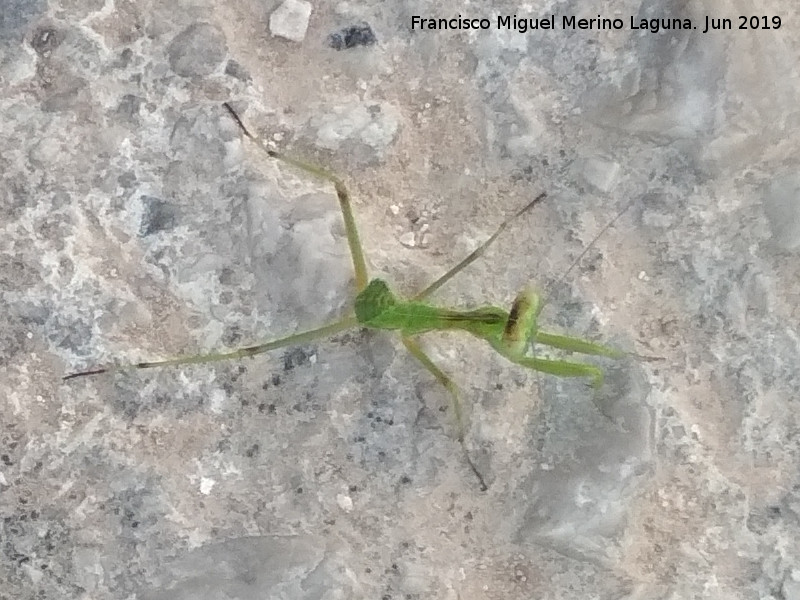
(511, 333)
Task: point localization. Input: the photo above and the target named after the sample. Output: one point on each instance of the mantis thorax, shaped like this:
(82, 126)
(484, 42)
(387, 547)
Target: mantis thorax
(372, 302)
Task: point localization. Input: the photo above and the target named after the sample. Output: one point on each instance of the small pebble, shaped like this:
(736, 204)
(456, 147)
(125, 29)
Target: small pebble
(407, 239)
(600, 173)
(290, 20)
(344, 502)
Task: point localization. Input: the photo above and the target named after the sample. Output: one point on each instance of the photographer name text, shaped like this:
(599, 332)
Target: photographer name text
(599, 23)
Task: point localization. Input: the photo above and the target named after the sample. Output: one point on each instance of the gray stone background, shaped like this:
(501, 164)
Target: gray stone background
(137, 224)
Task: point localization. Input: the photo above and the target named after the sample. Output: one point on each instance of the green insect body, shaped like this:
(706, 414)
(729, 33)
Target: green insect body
(378, 308)
(509, 333)
(512, 334)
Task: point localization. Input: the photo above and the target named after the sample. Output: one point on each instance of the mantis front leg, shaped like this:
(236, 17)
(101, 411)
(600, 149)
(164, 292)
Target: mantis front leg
(521, 330)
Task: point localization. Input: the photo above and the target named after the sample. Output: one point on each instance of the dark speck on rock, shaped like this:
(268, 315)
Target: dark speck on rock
(360, 34)
(297, 357)
(158, 216)
(234, 69)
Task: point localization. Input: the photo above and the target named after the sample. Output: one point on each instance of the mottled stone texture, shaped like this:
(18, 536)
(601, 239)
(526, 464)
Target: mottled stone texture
(136, 223)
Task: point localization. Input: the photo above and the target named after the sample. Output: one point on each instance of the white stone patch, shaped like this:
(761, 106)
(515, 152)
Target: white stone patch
(206, 483)
(407, 239)
(374, 125)
(344, 502)
(290, 20)
(600, 173)
(217, 401)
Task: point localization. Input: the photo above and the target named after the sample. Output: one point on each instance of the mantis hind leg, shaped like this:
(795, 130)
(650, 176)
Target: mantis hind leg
(359, 266)
(248, 351)
(455, 400)
(353, 240)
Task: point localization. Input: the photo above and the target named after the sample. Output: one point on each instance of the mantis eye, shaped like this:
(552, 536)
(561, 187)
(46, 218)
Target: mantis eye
(521, 324)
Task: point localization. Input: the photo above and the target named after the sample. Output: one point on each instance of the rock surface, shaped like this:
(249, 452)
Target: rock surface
(137, 223)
